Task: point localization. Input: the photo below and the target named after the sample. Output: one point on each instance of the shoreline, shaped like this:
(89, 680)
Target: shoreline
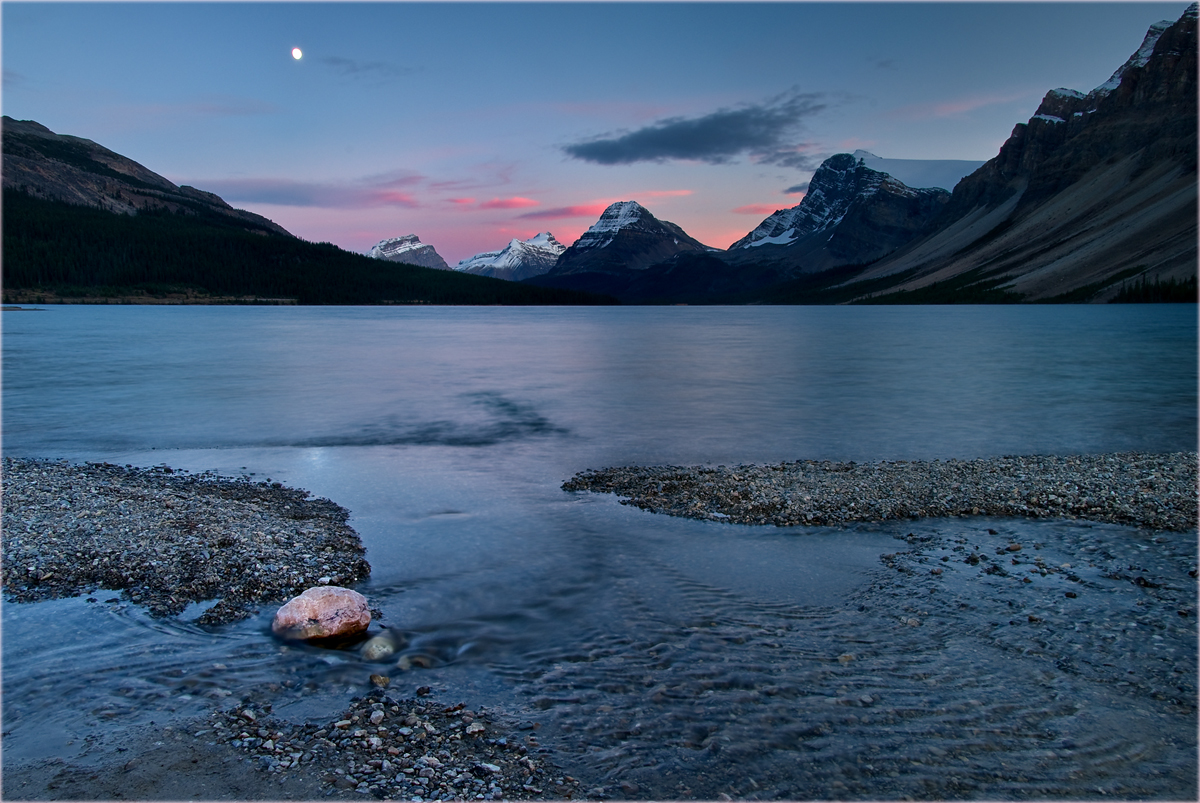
(166, 539)
(1156, 491)
(244, 752)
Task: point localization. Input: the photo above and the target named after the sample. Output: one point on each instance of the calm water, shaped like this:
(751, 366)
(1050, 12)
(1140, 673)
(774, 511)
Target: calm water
(690, 657)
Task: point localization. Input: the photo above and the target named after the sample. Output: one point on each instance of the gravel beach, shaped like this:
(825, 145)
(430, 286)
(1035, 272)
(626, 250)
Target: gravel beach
(165, 538)
(1142, 490)
(1081, 603)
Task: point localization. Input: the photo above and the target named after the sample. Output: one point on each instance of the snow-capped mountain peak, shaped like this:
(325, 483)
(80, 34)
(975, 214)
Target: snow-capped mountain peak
(520, 259)
(621, 215)
(841, 181)
(408, 248)
(1138, 59)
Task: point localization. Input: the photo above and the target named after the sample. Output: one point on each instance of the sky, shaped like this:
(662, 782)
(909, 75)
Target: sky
(470, 124)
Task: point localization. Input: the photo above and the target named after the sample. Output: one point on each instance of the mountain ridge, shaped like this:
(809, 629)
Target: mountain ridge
(1091, 187)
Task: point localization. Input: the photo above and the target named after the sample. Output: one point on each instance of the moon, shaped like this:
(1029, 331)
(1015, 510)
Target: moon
(296, 54)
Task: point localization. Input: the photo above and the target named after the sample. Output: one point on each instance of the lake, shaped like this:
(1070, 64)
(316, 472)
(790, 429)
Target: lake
(691, 658)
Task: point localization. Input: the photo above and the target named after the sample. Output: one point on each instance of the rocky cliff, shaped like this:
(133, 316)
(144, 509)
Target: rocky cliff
(1093, 189)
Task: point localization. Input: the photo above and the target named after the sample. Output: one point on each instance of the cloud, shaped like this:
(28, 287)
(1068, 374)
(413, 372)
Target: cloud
(13, 79)
(353, 68)
(286, 192)
(509, 203)
(798, 189)
(756, 209)
(949, 108)
(761, 131)
(559, 213)
(662, 193)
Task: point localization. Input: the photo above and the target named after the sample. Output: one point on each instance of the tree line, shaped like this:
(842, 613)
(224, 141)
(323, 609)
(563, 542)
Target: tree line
(51, 246)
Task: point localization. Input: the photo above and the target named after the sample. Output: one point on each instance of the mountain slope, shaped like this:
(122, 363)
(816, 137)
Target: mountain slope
(1092, 189)
(517, 261)
(77, 171)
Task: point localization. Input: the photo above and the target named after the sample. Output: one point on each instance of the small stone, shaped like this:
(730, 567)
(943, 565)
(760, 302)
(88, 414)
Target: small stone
(1071, 594)
(376, 717)
(845, 658)
(322, 612)
(382, 681)
(382, 646)
(1013, 547)
(913, 622)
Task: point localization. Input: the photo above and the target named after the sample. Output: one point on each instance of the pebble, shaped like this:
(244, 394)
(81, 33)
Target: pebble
(166, 538)
(1129, 488)
(433, 756)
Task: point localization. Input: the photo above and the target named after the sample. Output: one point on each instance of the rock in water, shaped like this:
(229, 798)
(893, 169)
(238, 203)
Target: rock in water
(383, 646)
(323, 612)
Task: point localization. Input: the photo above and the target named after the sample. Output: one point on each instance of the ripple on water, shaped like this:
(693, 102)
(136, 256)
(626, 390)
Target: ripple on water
(930, 684)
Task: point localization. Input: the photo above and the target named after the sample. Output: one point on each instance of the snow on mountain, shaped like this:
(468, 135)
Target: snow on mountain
(1138, 59)
(519, 260)
(943, 173)
(621, 215)
(410, 250)
(830, 192)
(845, 179)
(626, 237)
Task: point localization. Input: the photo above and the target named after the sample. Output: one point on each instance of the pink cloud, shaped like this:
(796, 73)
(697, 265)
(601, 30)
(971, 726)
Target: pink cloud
(581, 210)
(515, 202)
(461, 201)
(663, 193)
(756, 209)
(949, 108)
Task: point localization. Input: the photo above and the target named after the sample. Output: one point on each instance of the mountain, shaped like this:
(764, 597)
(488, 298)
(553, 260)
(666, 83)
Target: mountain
(83, 224)
(1094, 190)
(625, 238)
(519, 260)
(850, 214)
(77, 171)
(410, 250)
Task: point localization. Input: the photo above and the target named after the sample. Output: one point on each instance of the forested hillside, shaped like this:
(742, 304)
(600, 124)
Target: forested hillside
(71, 251)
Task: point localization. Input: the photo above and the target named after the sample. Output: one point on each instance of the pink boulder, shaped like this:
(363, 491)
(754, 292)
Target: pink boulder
(323, 612)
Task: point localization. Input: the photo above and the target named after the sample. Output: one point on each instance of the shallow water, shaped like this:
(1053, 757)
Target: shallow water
(688, 658)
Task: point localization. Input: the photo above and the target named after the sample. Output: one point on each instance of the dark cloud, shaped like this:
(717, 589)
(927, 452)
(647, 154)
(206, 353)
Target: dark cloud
(762, 131)
(353, 68)
(797, 189)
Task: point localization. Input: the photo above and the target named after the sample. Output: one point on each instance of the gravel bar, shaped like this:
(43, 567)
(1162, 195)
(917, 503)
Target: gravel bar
(400, 749)
(166, 538)
(1131, 488)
